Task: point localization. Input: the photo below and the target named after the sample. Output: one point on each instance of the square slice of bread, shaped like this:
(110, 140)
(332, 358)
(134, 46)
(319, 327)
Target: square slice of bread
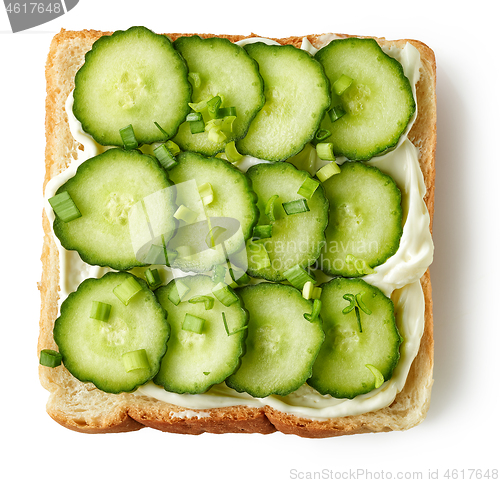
(81, 407)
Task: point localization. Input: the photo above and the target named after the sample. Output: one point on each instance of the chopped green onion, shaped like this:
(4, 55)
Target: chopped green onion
(360, 265)
(100, 311)
(185, 214)
(195, 79)
(325, 151)
(341, 84)
(128, 137)
(297, 276)
(224, 294)
(177, 292)
(198, 106)
(206, 193)
(295, 207)
(327, 171)
(239, 279)
(262, 231)
(259, 256)
(322, 134)
(232, 153)
(379, 377)
(308, 188)
(193, 323)
(203, 299)
(206, 373)
(155, 255)
(219, 274)
(173, 148)
(227, 328)
(226, 111)
(212, 239)
(135, 360)
(312, 317)
(126, 290)
(216, 135)
(194, 116)
(309, 291)
(269, 210)
(197, 127)
(213, 106)
(351, 299)
(153, 278)
(64, 207)
(165, 157)
(165, 133)
(50, 358)
(335, 113)
(361, 304)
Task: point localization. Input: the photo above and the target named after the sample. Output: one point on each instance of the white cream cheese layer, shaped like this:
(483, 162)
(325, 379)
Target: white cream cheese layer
(398, 277)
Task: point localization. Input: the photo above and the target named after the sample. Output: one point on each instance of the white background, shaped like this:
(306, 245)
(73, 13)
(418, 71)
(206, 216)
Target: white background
(465, 401)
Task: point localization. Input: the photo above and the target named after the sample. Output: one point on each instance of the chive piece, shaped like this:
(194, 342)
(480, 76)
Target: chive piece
(126, 290)
(233, 156)
(206, 373)
(359, 264)
(64, 207)
(342, 84)
(325, 151)
(213, 106)
(295, 207)
(153, 278)
(197, 127)
(350, 298)
(165, 157)
(219, 274)
(165, 133)
(128, 137)
(185, 214)
(379, 377)
(269, 210)
(195, 79)
(327, 171)
(224, 294)
(205, 299)
(297, 276)
(313, 316)
(100, 311)
(308, 188)
(193, 323)
(194, 116)
(227, 328)
(135, 360)
(206, 193)
(242, 279)
(321, 135)
(361, 304)
(358, 317)
(262, 231)
(259, 256)
(50, 358)
(335, 113)
(177, 292)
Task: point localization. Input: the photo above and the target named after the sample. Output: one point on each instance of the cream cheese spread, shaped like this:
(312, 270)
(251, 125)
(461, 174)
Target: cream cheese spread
(398, 277)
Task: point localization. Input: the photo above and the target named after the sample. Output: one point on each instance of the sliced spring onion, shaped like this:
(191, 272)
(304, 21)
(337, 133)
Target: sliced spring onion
(224, 294)
(173, 148)
(342, 84)
(327, 171)
(185, 214)
(197, 127)
(232, 154)
(177, 292)
(100, 311)
(262, 231)
(269, 210)
(359, 264)
(297, 276)
(219, 274)
(313, 316)
(350, 297)
(165, 157)
(194, 116)
(64, 207)
(379, 377)
(335, 113)
(239, 277)
(295, 207)
(321, 135)
(227, 328)
(309, 291)
(135, 360)
(308, 187)
(193, 323)
(213, 106)
(198, 106)
(195, 79)
(361, 304)
(153, 278)
(226, 111)
(203, 299)
(127, 289)
(206, 193)
(216, 136)
(258, 255)
(161, 129)
(155, 255)
(128, 137)
(50, 358)
(325, 151)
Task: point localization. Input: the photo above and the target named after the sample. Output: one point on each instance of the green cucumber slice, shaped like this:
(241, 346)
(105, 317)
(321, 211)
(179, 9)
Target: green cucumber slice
(296, 239)
(93, 350)
(297, 96)
(365, 220)
(132, 77)
(281, 344)
(226, 70)
(341, 366)
(124, 198)
(196, 361)
(378, 104)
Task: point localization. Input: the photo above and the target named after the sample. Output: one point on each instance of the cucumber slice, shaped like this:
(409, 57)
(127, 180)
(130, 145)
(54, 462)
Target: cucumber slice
(297, 96)
(196, 361)
(296, 239)
(223, 69)
(132, 77)
(281, 344)
(233, 212)
(93, 350)
(365, 221)
(378, 104)
(341, 366)
(124, 198)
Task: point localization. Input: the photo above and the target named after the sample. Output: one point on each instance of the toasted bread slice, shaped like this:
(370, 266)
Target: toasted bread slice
(82, 407)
